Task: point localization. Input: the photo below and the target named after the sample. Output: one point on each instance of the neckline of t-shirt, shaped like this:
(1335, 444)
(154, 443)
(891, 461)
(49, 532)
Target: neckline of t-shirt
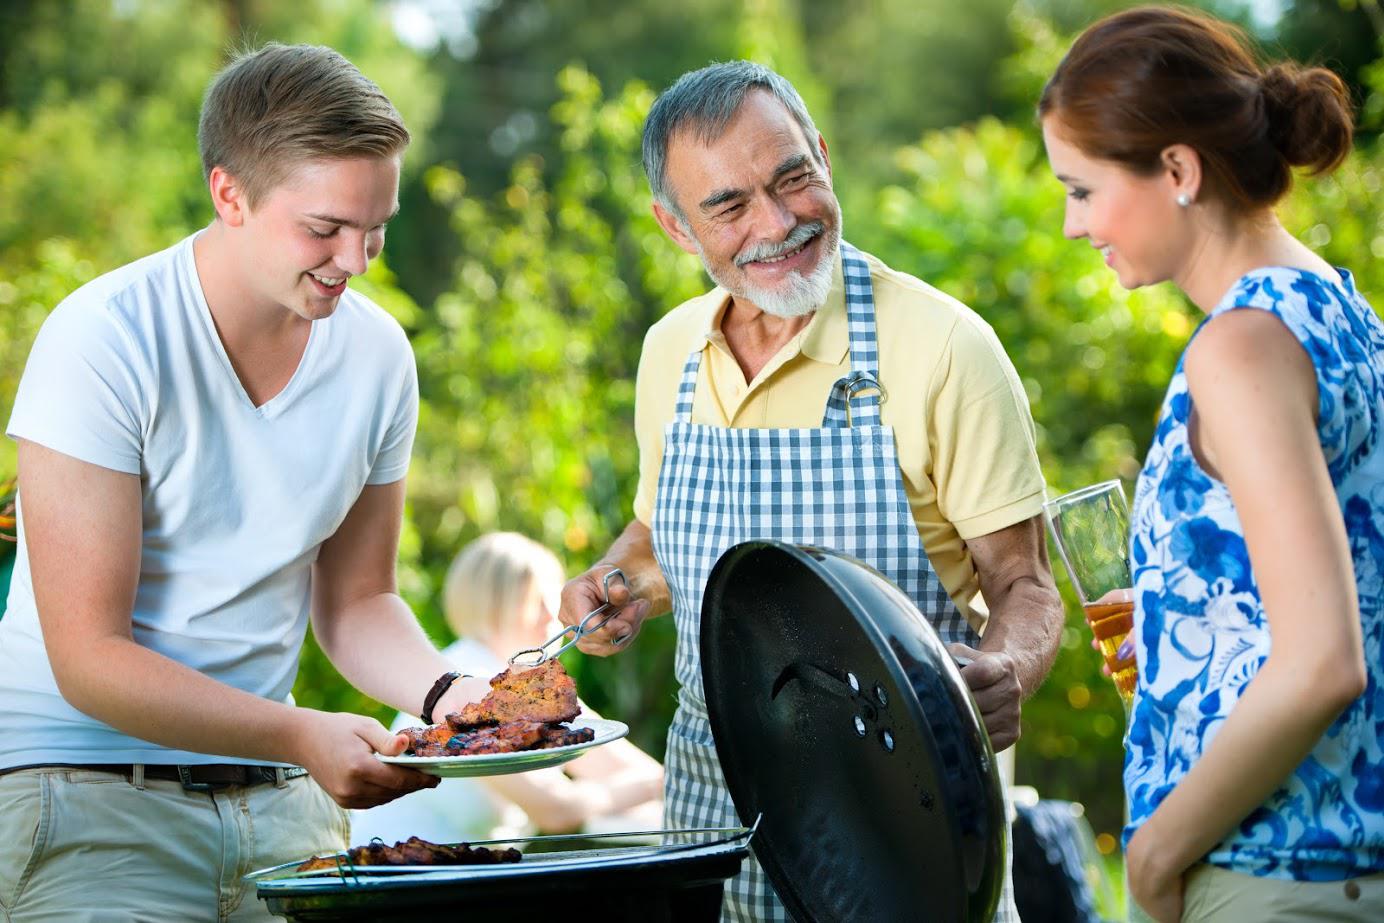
(276, 404)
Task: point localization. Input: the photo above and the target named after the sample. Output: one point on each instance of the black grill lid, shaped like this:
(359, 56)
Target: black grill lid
(839, 715)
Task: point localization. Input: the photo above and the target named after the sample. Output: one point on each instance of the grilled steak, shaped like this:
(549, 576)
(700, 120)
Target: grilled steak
(544, 693)
(428, 741)
(510, 737)
(522, 711)
(557, 735)
(499, 738)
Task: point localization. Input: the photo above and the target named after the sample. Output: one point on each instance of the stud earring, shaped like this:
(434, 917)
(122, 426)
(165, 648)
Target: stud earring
(1184, 199)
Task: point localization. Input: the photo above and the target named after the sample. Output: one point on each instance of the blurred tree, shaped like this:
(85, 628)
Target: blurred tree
(100, 157)
(499, 94)
(1343, 35)
(932, 64)
(1372, 112)
(771, 32)
(897, 68)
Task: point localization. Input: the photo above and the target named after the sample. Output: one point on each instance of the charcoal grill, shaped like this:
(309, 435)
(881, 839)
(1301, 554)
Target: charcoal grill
(854, 753)
(678, 880)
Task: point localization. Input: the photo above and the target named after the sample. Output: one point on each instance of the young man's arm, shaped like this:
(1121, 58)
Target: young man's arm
(364, 627)
(83, 528)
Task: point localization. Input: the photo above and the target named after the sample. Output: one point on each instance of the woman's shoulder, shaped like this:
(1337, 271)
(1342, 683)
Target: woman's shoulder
(1322, 310)
(1241, 357)
(1300, 296)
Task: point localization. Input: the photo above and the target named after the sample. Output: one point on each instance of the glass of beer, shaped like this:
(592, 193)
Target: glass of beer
(1090, 527)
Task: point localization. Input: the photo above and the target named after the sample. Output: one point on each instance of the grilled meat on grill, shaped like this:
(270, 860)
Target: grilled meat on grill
(412, 851)
(544, 693)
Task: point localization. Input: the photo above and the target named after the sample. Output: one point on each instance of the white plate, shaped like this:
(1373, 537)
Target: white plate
(498, 764)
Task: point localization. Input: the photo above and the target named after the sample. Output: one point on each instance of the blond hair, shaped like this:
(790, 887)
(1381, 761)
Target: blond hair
(495, 576)
(271, 109)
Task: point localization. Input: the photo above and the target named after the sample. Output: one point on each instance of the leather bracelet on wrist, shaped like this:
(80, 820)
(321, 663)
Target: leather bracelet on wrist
(444, 682)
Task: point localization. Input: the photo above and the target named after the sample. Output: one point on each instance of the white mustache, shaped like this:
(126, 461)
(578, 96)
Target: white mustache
(795, 239)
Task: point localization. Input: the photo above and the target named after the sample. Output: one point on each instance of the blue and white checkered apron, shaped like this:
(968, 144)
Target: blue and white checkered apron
(837, 487)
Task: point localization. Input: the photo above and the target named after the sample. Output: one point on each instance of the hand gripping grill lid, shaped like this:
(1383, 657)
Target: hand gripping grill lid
(840, 717)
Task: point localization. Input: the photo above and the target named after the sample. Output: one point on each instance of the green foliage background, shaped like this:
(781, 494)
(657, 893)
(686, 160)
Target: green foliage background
(526, 266)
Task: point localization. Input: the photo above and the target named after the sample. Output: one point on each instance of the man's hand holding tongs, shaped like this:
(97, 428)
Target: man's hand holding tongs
(623, 614)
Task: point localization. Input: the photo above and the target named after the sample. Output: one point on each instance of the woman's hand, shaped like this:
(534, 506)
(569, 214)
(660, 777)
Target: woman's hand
(1126, 649)
(1157, 890)
(1124, 652)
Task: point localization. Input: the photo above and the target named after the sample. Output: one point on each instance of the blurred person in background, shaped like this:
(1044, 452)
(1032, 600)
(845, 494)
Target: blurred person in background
(1255, 756)
(798, 344)
(212, 449)
(499, 598)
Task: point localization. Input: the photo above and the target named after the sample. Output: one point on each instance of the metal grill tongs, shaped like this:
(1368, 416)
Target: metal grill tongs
(534, 656)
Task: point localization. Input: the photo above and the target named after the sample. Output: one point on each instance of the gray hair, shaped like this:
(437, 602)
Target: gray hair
(705, 101)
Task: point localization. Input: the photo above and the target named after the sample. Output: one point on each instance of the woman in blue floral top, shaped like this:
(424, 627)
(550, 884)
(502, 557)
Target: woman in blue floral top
(1254, 769)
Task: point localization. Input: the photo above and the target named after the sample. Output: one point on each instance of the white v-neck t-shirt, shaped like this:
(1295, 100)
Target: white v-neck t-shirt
(128, 373)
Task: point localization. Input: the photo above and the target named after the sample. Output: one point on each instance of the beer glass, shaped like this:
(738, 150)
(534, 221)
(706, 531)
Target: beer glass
(1090, 527)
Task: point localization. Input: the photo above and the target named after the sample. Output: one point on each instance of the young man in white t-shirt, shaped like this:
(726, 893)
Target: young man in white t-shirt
(212, 449)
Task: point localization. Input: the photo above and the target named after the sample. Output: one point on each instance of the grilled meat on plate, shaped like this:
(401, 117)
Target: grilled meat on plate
(500, 738)
(544, 693)
(557, 735)
(428, 741)
(522, 711)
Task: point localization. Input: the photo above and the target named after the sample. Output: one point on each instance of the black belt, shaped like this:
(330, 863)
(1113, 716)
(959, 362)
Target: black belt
(205, 778)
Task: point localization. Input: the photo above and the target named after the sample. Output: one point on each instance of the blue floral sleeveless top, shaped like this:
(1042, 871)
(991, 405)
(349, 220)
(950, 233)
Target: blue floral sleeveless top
(1199, 626)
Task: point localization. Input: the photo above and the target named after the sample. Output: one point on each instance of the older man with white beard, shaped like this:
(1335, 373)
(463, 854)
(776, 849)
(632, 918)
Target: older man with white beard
(805, 333)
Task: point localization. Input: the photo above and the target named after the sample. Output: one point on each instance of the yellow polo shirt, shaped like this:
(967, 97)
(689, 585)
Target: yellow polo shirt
(959, 413)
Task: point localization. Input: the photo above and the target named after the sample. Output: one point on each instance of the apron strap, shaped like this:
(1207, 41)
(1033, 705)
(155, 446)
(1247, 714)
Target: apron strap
(682, 410)
(855, 399)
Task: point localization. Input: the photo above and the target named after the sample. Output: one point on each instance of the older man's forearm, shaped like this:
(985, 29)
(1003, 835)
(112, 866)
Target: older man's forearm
(1026, 614)
(1027, 625)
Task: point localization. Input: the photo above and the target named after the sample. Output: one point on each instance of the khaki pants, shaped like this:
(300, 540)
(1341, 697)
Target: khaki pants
(78, 845)
(1214, 895)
